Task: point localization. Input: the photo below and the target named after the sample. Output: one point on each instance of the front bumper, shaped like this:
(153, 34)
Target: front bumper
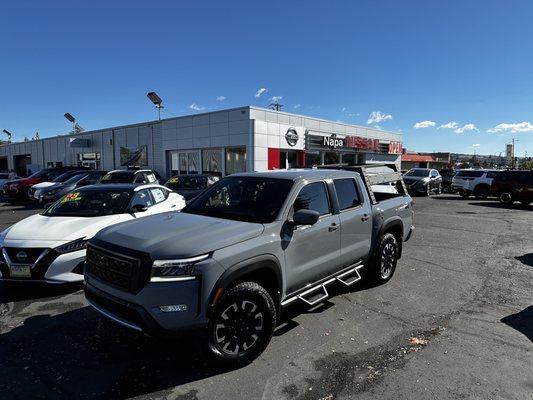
(55, 268)
(141, 311)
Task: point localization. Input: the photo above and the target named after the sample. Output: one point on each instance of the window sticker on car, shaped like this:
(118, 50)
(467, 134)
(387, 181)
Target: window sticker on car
(174, 179)
(71, 197)
(158, 194)
(151, 178)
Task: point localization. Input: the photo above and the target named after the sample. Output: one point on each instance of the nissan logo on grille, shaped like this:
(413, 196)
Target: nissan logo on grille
(21, 256)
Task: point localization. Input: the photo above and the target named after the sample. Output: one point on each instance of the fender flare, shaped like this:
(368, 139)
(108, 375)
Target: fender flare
(233, 273)
(392, 222)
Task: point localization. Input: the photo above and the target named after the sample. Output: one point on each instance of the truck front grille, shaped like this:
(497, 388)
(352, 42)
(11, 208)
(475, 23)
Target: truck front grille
(117, 270)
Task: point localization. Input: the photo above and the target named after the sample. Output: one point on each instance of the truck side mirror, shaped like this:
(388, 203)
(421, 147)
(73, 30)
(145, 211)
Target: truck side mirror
(305, 217)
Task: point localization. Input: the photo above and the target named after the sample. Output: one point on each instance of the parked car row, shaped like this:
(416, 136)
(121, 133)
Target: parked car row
(239, 252)
(508, 186)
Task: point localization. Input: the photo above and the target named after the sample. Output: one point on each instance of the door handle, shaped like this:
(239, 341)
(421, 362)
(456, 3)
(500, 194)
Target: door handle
(365, 217)
(333, 227)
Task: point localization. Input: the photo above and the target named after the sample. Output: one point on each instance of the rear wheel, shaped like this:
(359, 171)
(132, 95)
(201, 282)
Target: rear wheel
(242, 324)
(385, 259)
(506, 198)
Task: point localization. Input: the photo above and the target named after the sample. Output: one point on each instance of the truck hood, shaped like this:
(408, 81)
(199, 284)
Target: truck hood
(178, 235)
(64, 229)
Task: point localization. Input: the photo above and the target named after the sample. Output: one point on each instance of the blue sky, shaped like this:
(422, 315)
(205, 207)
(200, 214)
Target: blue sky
(460, 69)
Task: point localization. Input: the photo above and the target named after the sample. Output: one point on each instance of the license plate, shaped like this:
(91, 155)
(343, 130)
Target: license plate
(20, 271)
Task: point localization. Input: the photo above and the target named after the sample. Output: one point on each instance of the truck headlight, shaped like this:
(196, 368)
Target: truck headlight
(175, 270)
(75, 245)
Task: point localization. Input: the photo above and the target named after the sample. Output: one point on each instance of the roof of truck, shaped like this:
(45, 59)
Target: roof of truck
(304, 173)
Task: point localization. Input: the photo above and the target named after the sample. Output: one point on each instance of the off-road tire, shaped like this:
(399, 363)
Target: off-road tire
(242, 310)
(506, 198)
(387, 251)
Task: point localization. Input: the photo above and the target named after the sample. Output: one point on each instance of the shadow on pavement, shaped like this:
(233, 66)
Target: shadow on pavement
(20, 291)
(526, 259)
(497, 204)
(522, 322)
(77, 354)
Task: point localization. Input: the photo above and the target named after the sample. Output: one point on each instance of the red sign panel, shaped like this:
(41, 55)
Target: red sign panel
(358, 142)
(395, 148)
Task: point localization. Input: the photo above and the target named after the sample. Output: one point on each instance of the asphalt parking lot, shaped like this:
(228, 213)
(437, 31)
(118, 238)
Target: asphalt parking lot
(456, 321)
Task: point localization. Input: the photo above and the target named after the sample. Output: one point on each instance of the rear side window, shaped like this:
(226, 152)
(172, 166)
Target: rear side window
(142, 197)
(313, 197)
(347, 193)
(159, 194)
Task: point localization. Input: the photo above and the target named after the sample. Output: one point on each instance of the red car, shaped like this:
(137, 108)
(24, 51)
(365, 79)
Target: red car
(511, 186)
(18, 188)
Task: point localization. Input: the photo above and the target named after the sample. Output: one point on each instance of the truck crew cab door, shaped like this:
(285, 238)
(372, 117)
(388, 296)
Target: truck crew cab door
(356, 221)
(312, 252)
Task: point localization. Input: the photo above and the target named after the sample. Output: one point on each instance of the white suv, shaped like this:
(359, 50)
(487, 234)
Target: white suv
(473, 181)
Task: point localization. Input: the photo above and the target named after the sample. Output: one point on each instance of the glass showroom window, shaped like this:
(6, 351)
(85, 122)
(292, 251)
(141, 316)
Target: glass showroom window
(212, 161)
(235, 160)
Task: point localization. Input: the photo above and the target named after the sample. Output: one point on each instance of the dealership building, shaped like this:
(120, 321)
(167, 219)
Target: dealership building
(223, 142)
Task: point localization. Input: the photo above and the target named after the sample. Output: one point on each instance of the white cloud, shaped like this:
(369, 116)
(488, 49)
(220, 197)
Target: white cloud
(196, 107)
(297, 105)
(424, 124)
(260, 92)
(221, 98)
(343, 109)
(466, 128)
(275, 99)
(513, 128)
(379, 128)
(377, 116)
(476, 145)
(449, 125)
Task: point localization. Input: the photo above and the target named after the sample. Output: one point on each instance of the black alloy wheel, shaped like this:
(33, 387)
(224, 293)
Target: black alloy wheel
(242, 324)
(385, 259)
(506, 198)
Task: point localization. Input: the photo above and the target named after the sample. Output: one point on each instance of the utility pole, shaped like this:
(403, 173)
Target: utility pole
(276, 106)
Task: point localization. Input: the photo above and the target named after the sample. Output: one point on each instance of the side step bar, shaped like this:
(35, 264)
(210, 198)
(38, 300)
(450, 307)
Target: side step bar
(318, 293)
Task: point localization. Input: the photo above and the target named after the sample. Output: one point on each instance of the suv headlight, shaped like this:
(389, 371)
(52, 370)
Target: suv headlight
(175, 270)
(75, 245)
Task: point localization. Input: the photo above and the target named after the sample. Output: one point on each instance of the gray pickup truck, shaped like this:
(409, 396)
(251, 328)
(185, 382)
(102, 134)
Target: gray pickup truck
(244, 249)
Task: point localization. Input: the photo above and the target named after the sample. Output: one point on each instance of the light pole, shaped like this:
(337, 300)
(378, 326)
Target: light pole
(72, 120)
(9, 135)
(154, 98)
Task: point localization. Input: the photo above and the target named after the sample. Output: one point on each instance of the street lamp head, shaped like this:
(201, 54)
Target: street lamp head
(6, 132)
(154, 98)
(70, 117)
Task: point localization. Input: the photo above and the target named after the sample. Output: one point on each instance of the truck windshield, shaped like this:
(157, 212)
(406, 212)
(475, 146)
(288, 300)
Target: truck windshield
(90, 203)
(249, 199)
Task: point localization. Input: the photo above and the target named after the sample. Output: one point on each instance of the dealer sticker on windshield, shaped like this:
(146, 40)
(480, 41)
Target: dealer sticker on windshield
(71, 197)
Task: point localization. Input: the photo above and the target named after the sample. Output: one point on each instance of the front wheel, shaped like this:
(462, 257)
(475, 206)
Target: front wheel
(242, 324)
(385, 259)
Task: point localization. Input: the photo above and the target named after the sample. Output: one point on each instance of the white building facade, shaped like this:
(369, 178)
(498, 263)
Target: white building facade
(223, 142)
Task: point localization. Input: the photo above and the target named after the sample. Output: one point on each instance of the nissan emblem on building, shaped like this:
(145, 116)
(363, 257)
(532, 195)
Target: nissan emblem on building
(291, 137)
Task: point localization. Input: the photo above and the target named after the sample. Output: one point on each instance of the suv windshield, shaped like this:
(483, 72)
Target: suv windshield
(90, 203)
(118, 177)
(64, 177)
(249, 199)
(187, 183)
(75, 178)
(418, 172)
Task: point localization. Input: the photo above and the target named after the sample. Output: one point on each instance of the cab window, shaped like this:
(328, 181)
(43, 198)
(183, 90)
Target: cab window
(347, 193)
(313, 196)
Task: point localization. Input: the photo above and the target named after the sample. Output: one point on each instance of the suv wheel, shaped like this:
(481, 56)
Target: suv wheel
(242, 324)
(506, 198)
(481, 192)
(385, 259)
